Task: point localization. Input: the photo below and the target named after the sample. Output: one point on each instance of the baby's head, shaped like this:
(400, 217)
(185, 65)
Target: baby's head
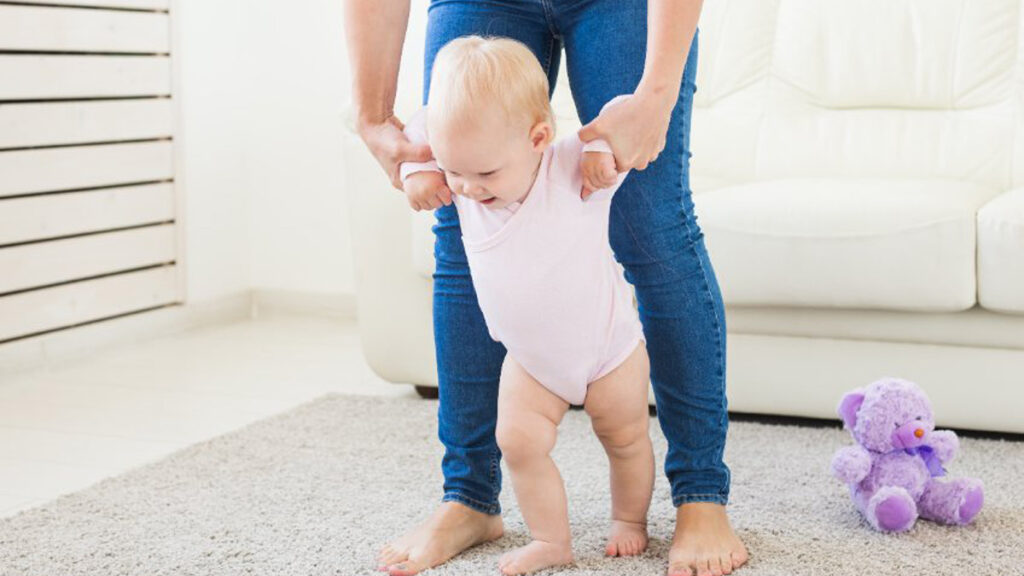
(488, 117)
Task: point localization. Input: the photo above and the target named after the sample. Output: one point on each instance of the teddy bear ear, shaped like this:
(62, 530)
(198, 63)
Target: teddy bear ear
(849, 406)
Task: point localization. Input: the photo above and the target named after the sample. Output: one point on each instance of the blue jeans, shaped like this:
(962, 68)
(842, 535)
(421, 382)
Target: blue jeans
(653, 232)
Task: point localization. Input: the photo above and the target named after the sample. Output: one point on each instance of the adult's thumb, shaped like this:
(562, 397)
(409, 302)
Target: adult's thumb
(588, 132)
(419, 153)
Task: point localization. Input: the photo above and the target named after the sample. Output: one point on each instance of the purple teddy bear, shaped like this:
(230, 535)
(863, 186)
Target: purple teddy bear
(892, 471)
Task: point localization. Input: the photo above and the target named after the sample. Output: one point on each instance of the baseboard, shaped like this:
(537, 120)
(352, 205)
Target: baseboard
(45, 350)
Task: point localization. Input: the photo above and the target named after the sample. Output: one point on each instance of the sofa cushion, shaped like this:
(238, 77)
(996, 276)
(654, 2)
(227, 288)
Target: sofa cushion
(847, 243)
(1001, 253)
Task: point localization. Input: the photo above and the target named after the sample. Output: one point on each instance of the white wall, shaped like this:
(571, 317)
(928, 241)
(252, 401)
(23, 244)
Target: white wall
(297, 77)
(210, 63)
(264, 85)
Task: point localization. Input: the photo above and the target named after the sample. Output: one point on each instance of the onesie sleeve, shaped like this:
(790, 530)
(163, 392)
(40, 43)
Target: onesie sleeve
(416, 131)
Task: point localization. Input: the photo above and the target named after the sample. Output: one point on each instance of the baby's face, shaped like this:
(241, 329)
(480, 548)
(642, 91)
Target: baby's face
(490, 162)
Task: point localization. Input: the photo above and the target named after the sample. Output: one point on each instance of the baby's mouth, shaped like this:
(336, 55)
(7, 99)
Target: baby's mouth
(489, 200)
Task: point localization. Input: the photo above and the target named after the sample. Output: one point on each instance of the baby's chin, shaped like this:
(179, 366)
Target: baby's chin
(494, 203)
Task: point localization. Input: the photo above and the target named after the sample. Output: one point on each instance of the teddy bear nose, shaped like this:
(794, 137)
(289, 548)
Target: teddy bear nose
(919, 432)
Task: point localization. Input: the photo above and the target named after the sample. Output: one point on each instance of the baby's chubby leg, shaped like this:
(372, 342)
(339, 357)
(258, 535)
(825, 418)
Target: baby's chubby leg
(528, 418)
(618, 408)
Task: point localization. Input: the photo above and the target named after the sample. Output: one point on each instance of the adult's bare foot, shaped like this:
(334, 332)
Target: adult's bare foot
(452, 529)
(704, 543)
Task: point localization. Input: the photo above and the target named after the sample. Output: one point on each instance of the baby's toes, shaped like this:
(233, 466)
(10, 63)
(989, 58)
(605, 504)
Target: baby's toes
(641, 545)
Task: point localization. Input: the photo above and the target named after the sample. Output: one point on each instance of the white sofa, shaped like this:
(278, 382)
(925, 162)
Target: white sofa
(858, 171)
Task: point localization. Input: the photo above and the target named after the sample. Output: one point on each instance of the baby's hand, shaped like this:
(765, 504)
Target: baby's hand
(427, 190)
(598, 172)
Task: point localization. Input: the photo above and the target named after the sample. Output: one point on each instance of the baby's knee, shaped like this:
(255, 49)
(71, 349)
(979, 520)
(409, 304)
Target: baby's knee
(521, 441)
(625, 440)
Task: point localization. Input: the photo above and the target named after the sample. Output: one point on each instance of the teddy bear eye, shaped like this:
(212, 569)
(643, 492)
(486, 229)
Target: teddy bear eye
(919, 418)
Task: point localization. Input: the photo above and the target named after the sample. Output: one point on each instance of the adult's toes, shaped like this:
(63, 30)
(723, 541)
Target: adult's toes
(405, 568)
(680, 569)
(726, 561)
(391, 558)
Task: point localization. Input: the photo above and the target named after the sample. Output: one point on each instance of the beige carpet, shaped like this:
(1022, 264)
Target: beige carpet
(317, 490)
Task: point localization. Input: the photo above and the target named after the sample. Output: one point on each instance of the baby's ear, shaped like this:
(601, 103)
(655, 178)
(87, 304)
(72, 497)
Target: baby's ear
(849, 406)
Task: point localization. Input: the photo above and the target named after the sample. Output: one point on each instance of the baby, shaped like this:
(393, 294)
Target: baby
(547, 282)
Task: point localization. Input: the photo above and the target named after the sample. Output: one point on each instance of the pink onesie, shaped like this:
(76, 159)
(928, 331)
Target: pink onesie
(545, 275)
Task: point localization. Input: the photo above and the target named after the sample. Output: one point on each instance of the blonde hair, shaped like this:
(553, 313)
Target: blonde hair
(471, 71)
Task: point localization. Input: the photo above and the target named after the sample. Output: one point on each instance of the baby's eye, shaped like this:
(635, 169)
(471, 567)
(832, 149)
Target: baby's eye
(491, 173)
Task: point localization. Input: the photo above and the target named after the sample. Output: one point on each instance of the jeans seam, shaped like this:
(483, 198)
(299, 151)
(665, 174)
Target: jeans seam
(495, 464)
(550, 56)
(548, 19)
(719, 357)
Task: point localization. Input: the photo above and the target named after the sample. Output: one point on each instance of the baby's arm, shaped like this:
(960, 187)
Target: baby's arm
(423, 182)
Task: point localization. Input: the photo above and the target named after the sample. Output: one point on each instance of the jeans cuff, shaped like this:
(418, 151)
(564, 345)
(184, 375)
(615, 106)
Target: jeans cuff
(492, 509)
(678, 501)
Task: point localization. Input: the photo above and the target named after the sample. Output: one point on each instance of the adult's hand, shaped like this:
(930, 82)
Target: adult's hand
(634, 127)
(390, 147)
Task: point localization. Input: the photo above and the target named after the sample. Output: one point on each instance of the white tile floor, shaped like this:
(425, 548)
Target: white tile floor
(66, 428)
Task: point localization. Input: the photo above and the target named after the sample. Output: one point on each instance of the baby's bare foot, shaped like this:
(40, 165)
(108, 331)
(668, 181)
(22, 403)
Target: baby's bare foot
(535, 556)
(626, 538)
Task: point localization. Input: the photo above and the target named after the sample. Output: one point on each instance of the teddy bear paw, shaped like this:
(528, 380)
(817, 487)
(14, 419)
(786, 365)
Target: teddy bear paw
(970, 504)
(892, 509)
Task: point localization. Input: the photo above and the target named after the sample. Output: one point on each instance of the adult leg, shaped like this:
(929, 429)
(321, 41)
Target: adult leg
(468, 361)
(655, 236)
